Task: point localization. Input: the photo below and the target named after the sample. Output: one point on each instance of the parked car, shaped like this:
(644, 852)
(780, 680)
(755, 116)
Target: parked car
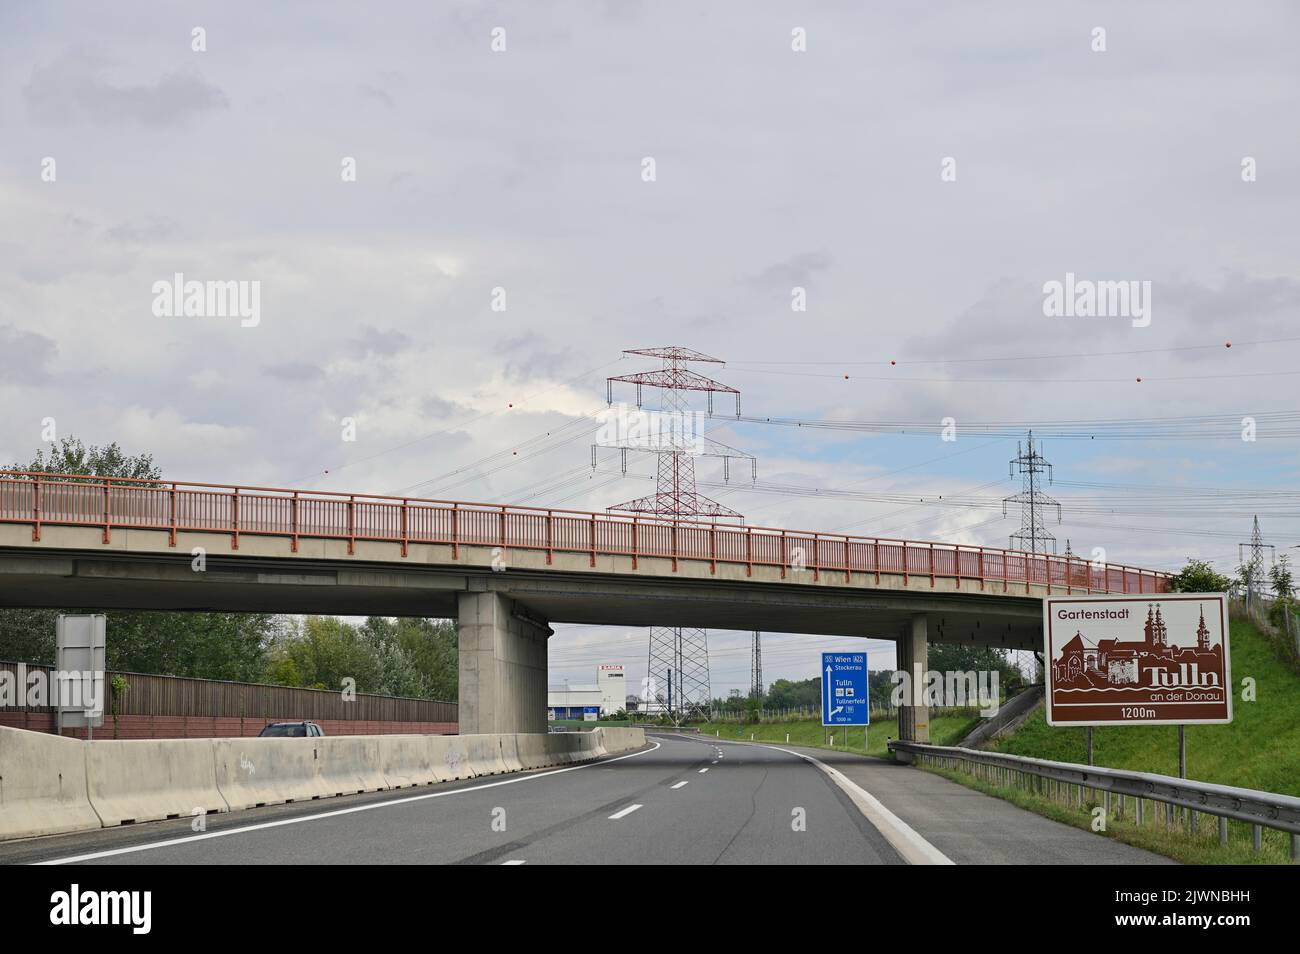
(291, 730)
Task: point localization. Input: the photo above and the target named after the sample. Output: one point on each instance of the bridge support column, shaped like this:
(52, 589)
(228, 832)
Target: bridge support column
(913, 659)
(502, 665)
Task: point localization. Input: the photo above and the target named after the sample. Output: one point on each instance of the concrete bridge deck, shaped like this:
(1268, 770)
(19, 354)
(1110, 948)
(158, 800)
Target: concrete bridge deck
(507, 572)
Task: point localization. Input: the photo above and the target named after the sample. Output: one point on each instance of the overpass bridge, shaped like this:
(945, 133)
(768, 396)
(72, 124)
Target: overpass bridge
(505, 573)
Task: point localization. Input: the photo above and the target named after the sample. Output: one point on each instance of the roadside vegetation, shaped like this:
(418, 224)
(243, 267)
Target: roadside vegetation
(1260, 749)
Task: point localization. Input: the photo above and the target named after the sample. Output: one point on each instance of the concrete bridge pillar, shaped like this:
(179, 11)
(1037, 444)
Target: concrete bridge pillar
(913, 659)
(502, 665)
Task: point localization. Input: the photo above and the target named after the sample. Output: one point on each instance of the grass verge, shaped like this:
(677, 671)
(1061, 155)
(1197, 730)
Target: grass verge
(1155, 834)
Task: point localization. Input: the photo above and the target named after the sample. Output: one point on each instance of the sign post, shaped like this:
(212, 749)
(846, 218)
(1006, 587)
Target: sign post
(1154, 659)
(845, 697)
(79, 672)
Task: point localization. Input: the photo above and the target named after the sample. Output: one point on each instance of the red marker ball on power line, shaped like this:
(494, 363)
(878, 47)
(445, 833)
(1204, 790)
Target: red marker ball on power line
(892, 361)
(1139, 380)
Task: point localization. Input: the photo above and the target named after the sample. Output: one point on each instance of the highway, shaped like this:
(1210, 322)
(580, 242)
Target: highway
(682, 800)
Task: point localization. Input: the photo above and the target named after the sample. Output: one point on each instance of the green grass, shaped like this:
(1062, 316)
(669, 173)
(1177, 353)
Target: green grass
(944, 730)
(1176, 842)
(1260, 749)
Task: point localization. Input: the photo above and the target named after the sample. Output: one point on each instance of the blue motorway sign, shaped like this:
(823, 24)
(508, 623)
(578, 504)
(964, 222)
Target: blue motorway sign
(844, 689)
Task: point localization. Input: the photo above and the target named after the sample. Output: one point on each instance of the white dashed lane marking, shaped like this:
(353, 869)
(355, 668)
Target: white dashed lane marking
(624, 812)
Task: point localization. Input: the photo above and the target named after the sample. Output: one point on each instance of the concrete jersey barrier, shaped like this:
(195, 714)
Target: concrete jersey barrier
(484, 754)
(534, 752)
(406, 760)
(140, 780)
(50, 784)
(253, 772)
(621, 739)
(349, 764)
(42, 785)
(450, 758)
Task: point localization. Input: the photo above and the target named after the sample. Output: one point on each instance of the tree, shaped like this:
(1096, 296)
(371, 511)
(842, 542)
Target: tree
(27, 635)
(1199, 577)
(959, 657)
(433, 648)
(199, 645)
(70, 456)
(397, 657)
(785, 694)
(1280, 576)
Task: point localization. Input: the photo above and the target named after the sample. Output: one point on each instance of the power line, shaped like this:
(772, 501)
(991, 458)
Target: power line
(1032, 357)
(1268, 425)
(454, 427)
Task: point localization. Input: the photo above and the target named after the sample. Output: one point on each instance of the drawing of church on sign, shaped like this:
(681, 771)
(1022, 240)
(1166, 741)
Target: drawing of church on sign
(1152, 663)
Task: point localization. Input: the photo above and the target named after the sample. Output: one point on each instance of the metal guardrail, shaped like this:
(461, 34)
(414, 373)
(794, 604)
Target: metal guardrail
(1066, 779)
(109, 503)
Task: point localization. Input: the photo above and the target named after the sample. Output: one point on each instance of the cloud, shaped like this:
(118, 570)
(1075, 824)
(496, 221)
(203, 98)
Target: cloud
(796, 270)
(295, 371)
(776, 169)
(24, 356)
(74, 89)
(368, 91)
(374, 341)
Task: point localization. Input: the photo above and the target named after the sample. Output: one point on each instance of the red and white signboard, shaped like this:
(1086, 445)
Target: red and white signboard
(1156, 659)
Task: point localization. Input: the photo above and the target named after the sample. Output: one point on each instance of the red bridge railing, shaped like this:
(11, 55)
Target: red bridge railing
(114, 503)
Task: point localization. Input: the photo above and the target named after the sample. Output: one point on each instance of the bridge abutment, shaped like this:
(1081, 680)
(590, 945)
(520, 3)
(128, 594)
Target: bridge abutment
(913, 659)
(502, 665)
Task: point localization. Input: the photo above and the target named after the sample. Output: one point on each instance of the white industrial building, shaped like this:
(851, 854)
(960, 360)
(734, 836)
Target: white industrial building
(589, 702)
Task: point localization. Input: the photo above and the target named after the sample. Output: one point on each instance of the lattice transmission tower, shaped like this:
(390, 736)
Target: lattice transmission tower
(1254, 564)
(677, 678)
(1033, 534)
(756, 669)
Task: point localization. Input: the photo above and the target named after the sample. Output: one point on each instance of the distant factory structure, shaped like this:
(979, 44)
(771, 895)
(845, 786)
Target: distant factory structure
(589, 702)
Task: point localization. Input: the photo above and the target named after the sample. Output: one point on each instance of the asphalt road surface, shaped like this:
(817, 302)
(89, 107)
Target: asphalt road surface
(684, 800)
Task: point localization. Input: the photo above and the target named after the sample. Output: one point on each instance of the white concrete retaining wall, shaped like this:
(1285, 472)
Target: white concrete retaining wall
(50, 784)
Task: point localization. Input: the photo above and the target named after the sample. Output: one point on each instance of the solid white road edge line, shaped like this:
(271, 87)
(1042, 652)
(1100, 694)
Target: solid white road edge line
(73, 859)
(914, 849)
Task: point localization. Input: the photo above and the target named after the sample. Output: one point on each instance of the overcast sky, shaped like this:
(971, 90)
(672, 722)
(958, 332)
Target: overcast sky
(775, 168)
